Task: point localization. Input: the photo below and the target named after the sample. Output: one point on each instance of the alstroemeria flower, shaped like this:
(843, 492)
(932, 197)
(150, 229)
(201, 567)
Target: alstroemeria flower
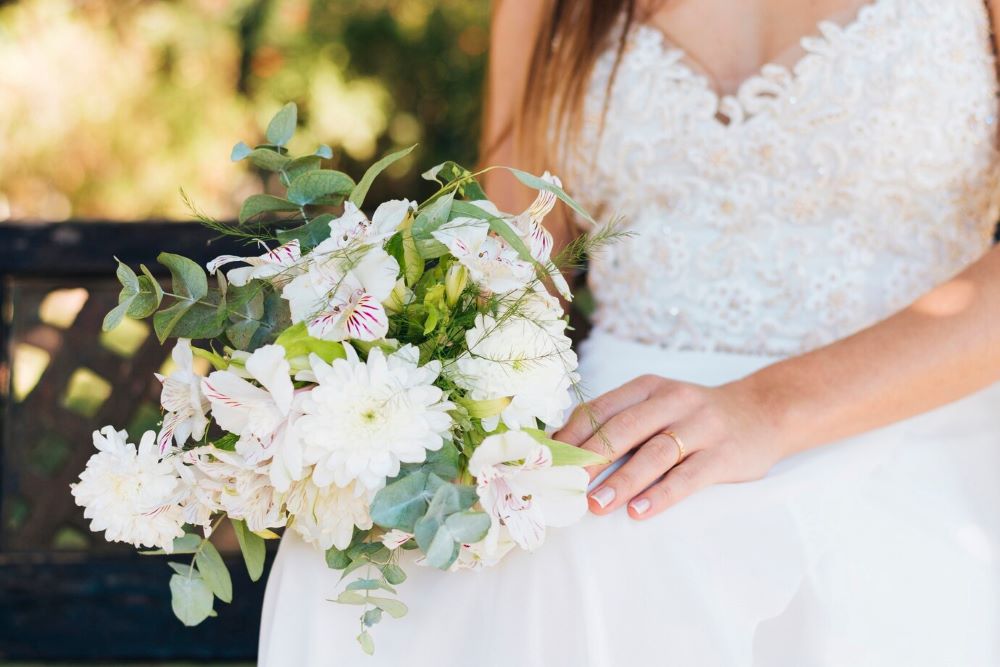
(254, 413)
(183, 400)
(396, 538)
(276, 264)
(340, 296)
(354, 227)
(539, 240)
(492, 263)
(521, 490)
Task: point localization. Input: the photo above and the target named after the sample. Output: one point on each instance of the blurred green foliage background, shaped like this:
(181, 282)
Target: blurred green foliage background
(108, 107)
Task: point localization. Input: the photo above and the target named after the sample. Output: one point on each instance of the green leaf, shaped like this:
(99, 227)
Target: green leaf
(443, 462)
(485, 408)
(301, 165)
(268, 159)
(321, 184)
(183, 569)
(449, 172)
(186, 544)
(310, 234)
(197, 320)
(166, 320)
(564, 454)
(394, 574)
(190, 598)
(240, 151)
(324, 151)
(254, 205)
(535, 182)
(214, 571)
(367, 643)
(394, 608)
(297, 343)
(115, 316)
(364, 585)
(351, 597)
(252, 546)
(467, 527)
(227, 443)
(282, 126)
(337, 559)
(360, 191)
(400, 503)
(443, 549)
(371, 617)
(432, 217)
(498, 225)
(189, 279)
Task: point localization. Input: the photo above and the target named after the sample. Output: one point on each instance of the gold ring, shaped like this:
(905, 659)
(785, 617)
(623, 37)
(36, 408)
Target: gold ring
(681, 452)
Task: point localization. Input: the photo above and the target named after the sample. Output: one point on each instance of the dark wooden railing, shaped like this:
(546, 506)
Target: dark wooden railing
(65, 594)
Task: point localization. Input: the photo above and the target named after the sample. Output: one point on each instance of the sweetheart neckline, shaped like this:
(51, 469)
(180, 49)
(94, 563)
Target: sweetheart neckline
(731, 108)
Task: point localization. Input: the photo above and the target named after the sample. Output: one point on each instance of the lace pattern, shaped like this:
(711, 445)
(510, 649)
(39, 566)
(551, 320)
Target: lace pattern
(839, 191)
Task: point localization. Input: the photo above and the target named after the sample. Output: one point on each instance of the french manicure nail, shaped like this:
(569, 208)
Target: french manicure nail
(603, 496)
(641, 506)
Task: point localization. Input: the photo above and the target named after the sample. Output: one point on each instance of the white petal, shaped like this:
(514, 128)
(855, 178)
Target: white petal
(268, 366)
(560, 492)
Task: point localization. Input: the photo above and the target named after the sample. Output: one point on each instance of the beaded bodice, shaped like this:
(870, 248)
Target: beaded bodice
(814, 202)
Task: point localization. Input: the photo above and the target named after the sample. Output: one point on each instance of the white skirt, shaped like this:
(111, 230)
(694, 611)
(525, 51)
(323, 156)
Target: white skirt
(880, 550)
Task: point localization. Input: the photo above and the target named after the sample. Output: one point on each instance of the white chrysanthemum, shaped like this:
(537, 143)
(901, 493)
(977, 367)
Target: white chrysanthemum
(526, 357)
(130, 492)
(325, 517)
(365, 418)
(181, 397)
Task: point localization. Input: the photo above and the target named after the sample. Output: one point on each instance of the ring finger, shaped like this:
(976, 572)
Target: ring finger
(654, 458)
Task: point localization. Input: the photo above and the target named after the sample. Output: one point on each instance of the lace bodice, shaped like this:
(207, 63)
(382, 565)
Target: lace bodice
(839, 190)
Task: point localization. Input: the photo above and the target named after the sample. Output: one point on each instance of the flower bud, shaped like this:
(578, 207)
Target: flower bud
(455, 282)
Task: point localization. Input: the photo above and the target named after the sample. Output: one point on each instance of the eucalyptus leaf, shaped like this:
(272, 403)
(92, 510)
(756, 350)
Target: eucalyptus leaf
(360, 191)
(186, 544)
(255, 205)
(310, 234)
(367, 643)
(183, 569)
(371, 617)
(214, 571)
(282, 126)
(394, 608)
(443, 549)
(351, 597)
(468, 527)
(337, 559)
(190, 598)
(252, 546)
(268, 159)
(449, 172)
(312, 186)
(301, 165)
(400, 503)
(394, 574)
(240, 151)
(324, 151)
(364, 585)
(115, 316)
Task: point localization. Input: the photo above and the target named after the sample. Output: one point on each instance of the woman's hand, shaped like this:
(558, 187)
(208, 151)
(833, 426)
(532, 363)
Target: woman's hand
(726, 433)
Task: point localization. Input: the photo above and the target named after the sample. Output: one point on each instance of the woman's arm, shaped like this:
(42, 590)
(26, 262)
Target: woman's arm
(943, 347)
(514, 29)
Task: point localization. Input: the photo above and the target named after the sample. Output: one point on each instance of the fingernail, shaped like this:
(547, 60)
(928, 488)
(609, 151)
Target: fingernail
(641, 506)
(603, 496)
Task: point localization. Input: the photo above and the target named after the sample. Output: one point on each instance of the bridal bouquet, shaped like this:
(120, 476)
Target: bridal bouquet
(381, 384)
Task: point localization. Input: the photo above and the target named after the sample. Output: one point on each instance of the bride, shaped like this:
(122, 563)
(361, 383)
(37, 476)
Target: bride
(795, 353)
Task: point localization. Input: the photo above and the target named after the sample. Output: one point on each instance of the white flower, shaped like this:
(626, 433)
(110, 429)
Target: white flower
(365, 418)
(130, 492)
(225, 481)
(522, 491)
(277, 265)
(354, 227)
(492, 263)
(539, 240)
(395, 538)
(253, 413)
(341, 295)
(526, 357)
(487, 552)
(181, 397)
(326, 517)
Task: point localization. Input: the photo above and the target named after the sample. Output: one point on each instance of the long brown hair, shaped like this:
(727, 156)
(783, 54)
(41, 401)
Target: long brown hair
(571, 38)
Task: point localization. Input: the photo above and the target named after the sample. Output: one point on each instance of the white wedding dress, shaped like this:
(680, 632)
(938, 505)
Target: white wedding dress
(819, 200)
